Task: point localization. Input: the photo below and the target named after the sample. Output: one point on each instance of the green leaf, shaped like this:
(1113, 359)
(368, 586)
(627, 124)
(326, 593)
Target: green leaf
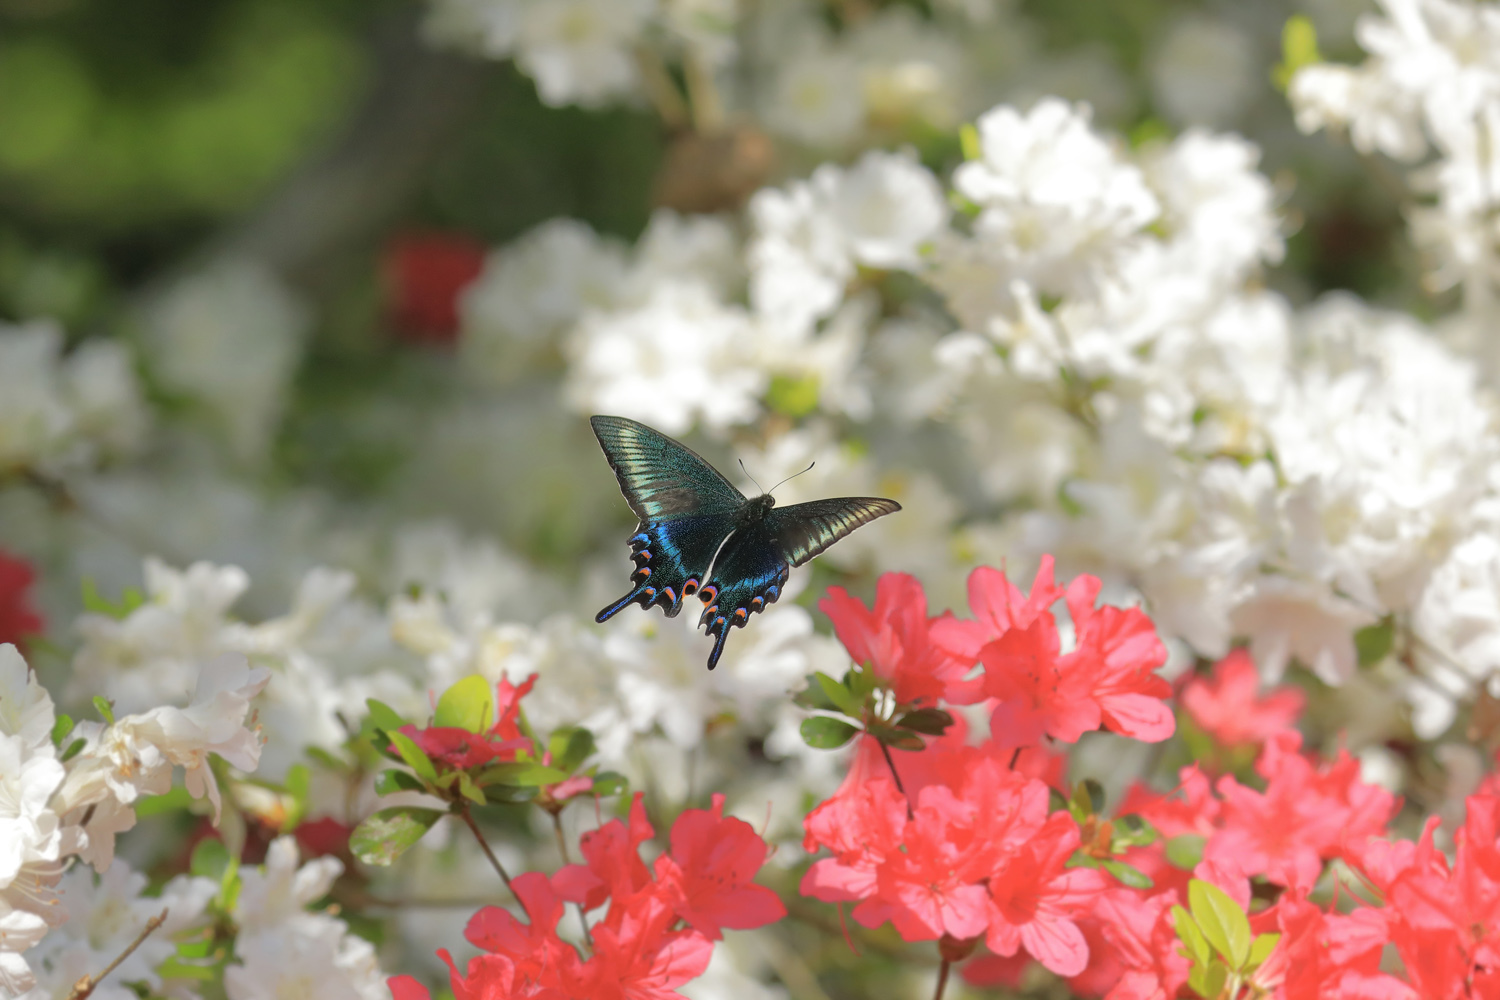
(1373, 643)
(813, 696)
(928, 721)
(1299, 49)
(861, 682)
(105, 708)
(469, 790)
(396, 780)
(1261, 950)
(1198, 951)
(968, 141)
(1208, 980)
(155, 805)
(468, 704)
(1221, 920)
(210, 859)
(1132, 831)
(508, 795)
(176, 968)
(298, 787)
(521, 773)
(570, 748)
(414, 757)
(385, 836)
(74, 749)
(1186, 850)
(1128, 875)
(609, 783)
(384, 716)
(61, 728)
(900, 739)
(824, 733)
(843, 699)
(794, 396)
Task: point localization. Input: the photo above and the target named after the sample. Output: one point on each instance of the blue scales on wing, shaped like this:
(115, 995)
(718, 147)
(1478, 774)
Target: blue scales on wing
(686, 509)
(752, 567)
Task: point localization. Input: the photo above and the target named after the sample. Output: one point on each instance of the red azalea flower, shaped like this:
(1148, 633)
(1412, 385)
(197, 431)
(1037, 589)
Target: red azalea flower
(497, 931)
(18, 619)
(998, 606)
(1035, 899)
(708, 874)
(426, 273)
(1324, 955)
(1304, 816)
(1228, 706)
(458, 749)
(613, 868)
(1109, 680)
(933, 885)
(892, 639)
(639, 957)
(860, 826)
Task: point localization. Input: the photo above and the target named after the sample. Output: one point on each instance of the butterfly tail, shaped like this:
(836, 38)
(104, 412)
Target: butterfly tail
(631, 598)
(713, 658)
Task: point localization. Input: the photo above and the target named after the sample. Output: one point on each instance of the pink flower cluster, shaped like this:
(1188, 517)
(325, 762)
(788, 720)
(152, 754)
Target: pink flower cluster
(657, 933)
(973, 852)
(971, 849)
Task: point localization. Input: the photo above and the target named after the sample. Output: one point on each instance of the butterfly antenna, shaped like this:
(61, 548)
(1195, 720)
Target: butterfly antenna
(793, 476)
(752, 478)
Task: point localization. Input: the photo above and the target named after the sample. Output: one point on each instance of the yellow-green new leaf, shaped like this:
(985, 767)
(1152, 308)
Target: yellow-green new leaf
(1222, 922)
(468, 704)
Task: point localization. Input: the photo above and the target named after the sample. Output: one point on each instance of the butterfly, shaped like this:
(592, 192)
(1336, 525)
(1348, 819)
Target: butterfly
(695, 527)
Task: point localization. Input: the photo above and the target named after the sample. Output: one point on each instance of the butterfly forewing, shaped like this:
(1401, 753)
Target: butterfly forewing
(662, 478)
(805, 529)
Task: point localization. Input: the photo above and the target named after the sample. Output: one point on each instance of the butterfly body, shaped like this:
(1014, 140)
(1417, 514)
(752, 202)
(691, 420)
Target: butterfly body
(700, 535)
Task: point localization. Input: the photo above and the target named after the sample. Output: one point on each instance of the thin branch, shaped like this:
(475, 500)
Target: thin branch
(86, 986)
(463, 812)
(942, 980)
(665, 96)
(562, 842)
(896, 778)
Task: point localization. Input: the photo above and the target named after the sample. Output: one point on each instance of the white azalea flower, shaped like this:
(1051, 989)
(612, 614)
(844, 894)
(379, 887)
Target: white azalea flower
(579, 51)
(672, 361)
(272, 893)
(1056, 204)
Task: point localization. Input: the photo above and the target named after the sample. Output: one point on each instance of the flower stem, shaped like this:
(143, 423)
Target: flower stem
(463, 812)
(890, 761)
(942, 980)
(86, 986)
(562, 842)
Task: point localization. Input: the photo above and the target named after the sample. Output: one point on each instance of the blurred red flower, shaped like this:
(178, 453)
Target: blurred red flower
(425, 273)
(18, 619)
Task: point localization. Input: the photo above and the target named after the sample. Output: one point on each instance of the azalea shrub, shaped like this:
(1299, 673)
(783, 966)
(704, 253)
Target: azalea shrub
(1170, 325)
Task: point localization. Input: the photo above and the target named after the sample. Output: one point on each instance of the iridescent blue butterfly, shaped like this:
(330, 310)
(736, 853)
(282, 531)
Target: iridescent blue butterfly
(696, 526)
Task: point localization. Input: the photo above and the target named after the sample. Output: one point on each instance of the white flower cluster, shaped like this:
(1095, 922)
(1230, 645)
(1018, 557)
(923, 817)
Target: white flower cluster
(886, 70)
(285, 951)
(57, 803)
(1428, 94)
(697, 325)
(60, 412)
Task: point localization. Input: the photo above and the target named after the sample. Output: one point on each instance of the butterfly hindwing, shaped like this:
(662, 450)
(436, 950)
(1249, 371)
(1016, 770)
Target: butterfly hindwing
(685, 508)
(748, 574)
(803, 530)
(671, 558)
